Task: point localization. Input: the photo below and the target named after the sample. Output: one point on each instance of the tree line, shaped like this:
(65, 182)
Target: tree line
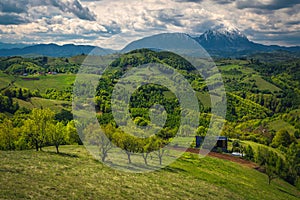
(36, 129)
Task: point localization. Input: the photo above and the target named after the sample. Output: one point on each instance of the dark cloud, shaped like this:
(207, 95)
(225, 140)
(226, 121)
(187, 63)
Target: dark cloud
(22, 6)
(213, 1)
(74, 7)
(204, 26)
(224, 1)
(273, 5)
(6, 19)
(13, 6)
(170, 19)
(290, 38)
(292, 23)
(195, 1)
(113, 28)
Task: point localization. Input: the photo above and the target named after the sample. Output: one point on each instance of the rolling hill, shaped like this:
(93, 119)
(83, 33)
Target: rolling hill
(74, 174)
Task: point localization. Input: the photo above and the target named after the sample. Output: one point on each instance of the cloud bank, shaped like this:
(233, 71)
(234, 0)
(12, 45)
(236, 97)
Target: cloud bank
(113, 24)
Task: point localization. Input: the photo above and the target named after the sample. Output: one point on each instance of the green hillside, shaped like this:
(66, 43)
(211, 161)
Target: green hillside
(36, 102)
(262, 122)
(74, 174)
(59, 82)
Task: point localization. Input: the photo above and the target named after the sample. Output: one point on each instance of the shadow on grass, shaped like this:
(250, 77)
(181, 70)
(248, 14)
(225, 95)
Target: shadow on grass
(173, 169)
(130, 167)
(284, 191)
(70, 155)
(15, 171)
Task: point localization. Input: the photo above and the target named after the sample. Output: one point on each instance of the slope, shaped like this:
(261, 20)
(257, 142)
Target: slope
(75, 175)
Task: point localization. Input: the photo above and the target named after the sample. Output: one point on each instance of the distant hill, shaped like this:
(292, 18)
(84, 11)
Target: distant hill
(179, 43)
(54, 50)
(12, 46)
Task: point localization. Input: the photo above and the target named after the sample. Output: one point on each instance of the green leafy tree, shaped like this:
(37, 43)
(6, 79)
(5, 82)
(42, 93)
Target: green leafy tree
(297, 134)
(72, 136)
(8, 135)
(147, 146)
(249, 153)
(271, 172)
(293, 163)
(35, 127)
(236, 146)
(56, 134)
(283, 138)
(127, 143)
(201, 131)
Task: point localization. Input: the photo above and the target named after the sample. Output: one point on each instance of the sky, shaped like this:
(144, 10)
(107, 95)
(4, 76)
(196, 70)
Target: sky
(115, 23)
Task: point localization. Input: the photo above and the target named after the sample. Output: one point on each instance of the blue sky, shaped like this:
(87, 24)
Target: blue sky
(115, 23)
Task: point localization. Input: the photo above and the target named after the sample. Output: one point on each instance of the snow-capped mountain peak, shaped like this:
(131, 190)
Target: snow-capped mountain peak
(223, 37)
(225, 32)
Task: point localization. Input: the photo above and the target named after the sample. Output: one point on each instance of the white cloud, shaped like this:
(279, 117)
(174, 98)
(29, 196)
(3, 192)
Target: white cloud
(113, 24)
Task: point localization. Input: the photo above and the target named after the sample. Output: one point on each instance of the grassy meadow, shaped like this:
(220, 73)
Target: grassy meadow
(75, 174)
(36, 102)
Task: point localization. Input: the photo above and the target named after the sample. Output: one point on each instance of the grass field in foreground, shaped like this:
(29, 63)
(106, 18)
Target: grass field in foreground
(74, 174)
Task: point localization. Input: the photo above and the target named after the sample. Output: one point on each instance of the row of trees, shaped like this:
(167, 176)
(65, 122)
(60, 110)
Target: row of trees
(7, 104)
(108, 137)
(285, 165)
(19, 65)
(36, 130)
(275, 165)
(26, 94)
(42, 127)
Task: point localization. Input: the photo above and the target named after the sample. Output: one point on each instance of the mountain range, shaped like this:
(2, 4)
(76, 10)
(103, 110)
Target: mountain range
(224, 42)
(54, 50)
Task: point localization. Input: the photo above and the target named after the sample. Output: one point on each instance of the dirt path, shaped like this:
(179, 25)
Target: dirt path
(222, 156)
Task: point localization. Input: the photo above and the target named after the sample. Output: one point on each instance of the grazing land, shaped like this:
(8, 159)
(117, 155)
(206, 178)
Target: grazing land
(74, 174)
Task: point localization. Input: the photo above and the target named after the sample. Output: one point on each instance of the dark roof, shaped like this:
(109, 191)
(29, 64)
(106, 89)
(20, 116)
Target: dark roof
(221, 138)
(218, 137)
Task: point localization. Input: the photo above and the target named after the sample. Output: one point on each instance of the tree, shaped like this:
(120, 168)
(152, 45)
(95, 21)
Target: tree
(293, 163)
(267, 160)
(30, 133)
(64, 115)
(105, 141)
(270, 166)
(159, 144)
(271, 172)
(101, 138)
(201, 131)
(56, 134)
(35, 126)
(126, 142)
(249, 153)
(147, 146)
(283, 138)
(281, 167)
(297, 134)
(7, 135)
(261, 156)
(236, 146)
(72, 137)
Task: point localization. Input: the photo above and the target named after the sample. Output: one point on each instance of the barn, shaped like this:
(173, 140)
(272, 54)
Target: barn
(222, 143)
